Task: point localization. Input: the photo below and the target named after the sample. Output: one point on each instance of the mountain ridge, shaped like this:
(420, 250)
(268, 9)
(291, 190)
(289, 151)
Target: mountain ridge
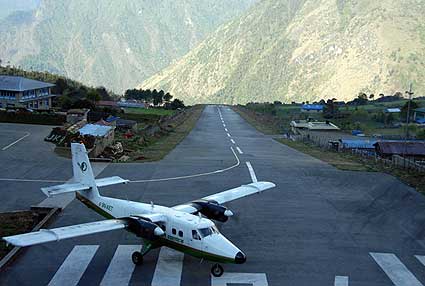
(304, 51)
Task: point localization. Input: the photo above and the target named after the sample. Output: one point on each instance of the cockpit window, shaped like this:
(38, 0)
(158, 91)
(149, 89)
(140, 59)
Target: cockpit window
(195, 235)
(208, 231)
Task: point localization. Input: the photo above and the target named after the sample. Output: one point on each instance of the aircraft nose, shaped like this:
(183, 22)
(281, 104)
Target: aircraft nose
(240, 258)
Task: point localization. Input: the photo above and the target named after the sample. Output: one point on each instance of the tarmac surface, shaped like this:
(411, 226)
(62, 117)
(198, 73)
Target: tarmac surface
(319, 226)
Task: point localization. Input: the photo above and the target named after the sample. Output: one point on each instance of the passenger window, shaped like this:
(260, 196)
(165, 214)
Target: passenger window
(180, 233)
(195, 235)
(174, 231)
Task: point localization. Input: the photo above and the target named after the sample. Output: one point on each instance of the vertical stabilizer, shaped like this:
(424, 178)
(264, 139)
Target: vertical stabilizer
(81, 168)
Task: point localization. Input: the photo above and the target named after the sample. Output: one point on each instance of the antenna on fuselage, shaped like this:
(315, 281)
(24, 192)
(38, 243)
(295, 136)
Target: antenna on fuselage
(152, 205)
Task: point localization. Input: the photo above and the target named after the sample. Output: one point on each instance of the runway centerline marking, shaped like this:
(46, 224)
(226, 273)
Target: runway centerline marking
(121, 267)
(341, 281)
(169, 268)
(251, 172)
(233, 141)
(17, 141)
(74, 266)
(395, 269)
(254, 279)
(239, 150)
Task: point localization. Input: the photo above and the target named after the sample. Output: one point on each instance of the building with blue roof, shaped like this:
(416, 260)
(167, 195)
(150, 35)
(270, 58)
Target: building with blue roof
(312, 108)
(419, 115)
(16, 91)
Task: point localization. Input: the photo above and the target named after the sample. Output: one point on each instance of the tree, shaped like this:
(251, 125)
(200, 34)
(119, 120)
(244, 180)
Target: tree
(381, 95)
(93, 96)
(331, 109)
(413, 106)
(372, 96)
(103, 93)
(176, 104)
(398, 94)
(64, 102)
(167, 97)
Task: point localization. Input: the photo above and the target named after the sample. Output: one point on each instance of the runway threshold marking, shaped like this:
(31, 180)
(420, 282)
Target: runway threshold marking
(239, 150)
(72, 269)
(121, 267)
(395, 269)
(341, 281)
(233, 141)
(251, 172)
(421, 259)
(169, 268)
(17, 141)
(254, 279)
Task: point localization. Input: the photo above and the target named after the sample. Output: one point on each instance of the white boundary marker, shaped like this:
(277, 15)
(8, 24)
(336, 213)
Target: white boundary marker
(225, 129)
(421, 259)
(395, 269)
(74, 266)
(228, 135)
(256, 279)
(13, 143)
(251, 172)
(239, 150)
(341, 281)
(233, 141)
(121, 266)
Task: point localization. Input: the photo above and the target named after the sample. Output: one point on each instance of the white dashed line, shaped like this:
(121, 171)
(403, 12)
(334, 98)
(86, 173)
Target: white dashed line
(224, 125)
(225, 129)
(13, 143)
(341, 281)
(395, 269)
(255, 279)
(233, 141)
(228, 135)
(251, 172)
(239, 150)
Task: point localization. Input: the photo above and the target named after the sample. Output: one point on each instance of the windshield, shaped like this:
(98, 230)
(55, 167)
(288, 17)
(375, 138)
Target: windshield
(208, 231)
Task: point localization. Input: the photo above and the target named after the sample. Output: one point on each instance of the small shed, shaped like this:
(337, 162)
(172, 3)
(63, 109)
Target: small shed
(410, 149)
(75, 115)
(104, 136)
(358, 144)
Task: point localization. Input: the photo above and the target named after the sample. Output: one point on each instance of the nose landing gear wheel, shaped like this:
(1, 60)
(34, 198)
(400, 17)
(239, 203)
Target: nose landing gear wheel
(217, 270)
(137, 258)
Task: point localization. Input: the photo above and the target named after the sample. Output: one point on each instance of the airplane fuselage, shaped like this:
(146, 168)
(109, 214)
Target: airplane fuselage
(188, 233)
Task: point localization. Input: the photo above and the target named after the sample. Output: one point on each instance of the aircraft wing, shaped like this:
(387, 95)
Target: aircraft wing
(229, 195)
(56, 234)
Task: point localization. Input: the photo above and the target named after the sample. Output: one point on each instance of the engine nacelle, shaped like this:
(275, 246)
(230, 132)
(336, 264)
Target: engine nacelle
(212, 210)
(144, 229)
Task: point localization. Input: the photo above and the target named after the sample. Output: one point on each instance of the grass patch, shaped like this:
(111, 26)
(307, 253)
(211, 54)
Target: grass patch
(150, 111)
(15, 223)
(266, 124)
(342, 161)
(156, 147)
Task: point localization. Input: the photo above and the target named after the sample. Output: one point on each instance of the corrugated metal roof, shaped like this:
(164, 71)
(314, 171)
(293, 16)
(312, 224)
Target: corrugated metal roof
(95, 130)
(358, 144)
(420, 109)
(411, 148)
(312, 107)
(18, 83)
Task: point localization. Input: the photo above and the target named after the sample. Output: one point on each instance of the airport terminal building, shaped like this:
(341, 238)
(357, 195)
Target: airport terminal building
(16, 91)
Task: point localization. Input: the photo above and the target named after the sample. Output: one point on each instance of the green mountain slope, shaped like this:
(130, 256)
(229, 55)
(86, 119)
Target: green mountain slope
(113, 43)
(303, 50)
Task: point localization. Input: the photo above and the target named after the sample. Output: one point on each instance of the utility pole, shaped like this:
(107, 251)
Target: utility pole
(410, 93)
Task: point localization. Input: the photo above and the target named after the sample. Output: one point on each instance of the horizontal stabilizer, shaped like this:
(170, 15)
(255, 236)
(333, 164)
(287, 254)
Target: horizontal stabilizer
(74, 187)
(55, 234)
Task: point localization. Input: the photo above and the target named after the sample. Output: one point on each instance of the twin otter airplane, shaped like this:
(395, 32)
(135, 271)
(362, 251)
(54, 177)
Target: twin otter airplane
(187, 228)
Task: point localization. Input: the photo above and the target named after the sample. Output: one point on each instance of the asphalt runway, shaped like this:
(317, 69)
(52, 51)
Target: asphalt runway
(319, 226)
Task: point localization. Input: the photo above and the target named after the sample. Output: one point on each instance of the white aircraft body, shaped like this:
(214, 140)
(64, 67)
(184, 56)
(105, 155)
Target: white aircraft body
(187, 228)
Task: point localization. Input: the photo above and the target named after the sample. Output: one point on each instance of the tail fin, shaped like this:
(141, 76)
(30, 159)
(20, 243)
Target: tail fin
(81, 168)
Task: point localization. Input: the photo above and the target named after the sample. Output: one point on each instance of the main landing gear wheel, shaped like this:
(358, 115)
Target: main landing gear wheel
(217, 270)
(137, 258)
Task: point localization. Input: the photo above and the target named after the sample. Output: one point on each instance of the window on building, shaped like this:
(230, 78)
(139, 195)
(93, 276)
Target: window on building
(173, 231)
(180, 233)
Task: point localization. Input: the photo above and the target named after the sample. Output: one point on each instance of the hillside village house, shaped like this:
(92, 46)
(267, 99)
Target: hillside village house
(16, 91)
